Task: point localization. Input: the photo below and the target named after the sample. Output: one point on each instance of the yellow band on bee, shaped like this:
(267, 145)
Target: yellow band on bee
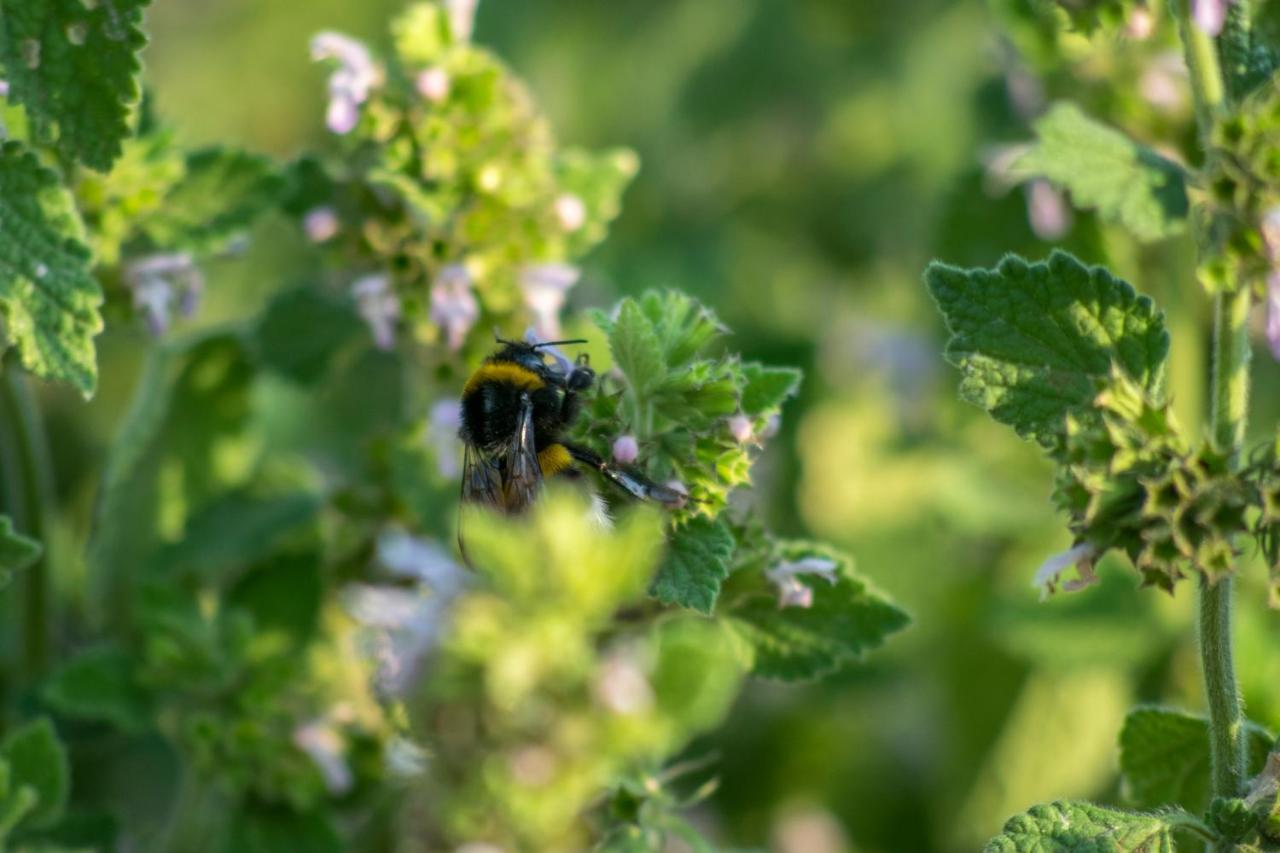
(502, 371)
(553, 459)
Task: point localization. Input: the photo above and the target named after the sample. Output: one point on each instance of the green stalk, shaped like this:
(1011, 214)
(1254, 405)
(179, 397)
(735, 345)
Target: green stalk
(1229, 415)
(29, 494)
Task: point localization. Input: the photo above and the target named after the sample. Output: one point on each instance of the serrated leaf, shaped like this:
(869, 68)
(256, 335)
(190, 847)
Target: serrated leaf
(1164, 757)
(1127, 183)
(74, 66)
(845, 621)
(16, 551)
(636, 349)
(38, 760)
(768, 387)
(1033, 340)
(696, 563)
(48, 299)
(100, 684)
(222, 192)
(1067, 827)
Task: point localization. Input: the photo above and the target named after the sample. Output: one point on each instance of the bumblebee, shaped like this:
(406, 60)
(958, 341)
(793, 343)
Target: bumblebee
(516, 408)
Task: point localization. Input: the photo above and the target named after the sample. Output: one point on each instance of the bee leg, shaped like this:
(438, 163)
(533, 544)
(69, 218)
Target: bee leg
(634, 484)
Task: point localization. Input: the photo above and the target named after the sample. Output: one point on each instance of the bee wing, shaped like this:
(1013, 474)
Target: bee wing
(481, 478)
(522, 475)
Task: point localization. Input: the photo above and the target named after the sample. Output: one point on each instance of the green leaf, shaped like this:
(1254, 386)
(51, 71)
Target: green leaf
(1164, 757)
(1034, 340)
(48, 299)
(696, 563)
(697, 673)
(301, 331)
(263, 829)
(768, 387)
(74, 66)
(16, 551)
(222, 192)
(234, 530)
(100, 684)
(38, 760)
(1127, 183)
(636, 349)
(1064, 827)
(846, 620)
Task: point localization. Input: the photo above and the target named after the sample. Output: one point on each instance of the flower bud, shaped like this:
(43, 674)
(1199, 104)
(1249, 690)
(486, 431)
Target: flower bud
(625, 449)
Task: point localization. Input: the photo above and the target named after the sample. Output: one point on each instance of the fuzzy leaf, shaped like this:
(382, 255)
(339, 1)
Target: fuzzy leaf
(100, 684)
(697, 562)
(1127, 183)
(1033, 340)
(1164, 757)
(636, 349)
(38, 761)
(74, 66)
(1074, 827)
(222, 192)
(768, 387)
(48, 299)
(846, 620)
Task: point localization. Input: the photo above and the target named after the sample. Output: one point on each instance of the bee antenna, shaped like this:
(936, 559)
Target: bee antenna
(497, 336)
(558, 343)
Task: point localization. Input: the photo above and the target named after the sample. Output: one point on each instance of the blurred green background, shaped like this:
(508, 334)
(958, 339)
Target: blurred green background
(802, 160)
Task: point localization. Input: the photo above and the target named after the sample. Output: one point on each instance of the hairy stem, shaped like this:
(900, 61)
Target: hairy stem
(1230, 406)
(29, 492)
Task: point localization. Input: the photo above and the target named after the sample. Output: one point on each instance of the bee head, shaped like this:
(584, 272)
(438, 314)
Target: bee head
(532, 355)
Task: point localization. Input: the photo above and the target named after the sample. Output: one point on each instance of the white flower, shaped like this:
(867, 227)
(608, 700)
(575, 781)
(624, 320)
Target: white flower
(158, 281)
(442, 435)
(4, 88)
(320, 224)
(1270, 229)
(462, 17)
(401, 623)
(1141, 24)
(350, 81)
(379, 306)
(621, 685)
(1163, 82)
(740, 428)
(571, 212)
(433, 84)
(625, 449)
(453, 306)
(1081, 556)
(323, 744)
(544, 287)
(786, 577)
(404, 758)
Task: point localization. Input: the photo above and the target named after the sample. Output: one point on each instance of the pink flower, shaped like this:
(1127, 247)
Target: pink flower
(1273, 312)
(433, 84)
(320, 224)
(462, 17)
(321, 742)
(544, 287)
(1047, 211)
(453, 307)
(1210, 15)
(625, 449)
(740, 428)
(350, 81)
(379, 306)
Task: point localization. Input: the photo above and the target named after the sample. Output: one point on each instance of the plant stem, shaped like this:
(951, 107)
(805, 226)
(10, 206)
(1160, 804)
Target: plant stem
(30, 491)
(1230, 407)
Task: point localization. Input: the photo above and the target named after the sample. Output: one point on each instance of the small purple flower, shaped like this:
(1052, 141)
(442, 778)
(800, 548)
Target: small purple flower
(1047, 211)
(159, 281)
(625, 449)
(350, 81)
(571, 212)
(741, 429)
(320, 224)
(453, 306)
(4, 88)
(1273, 312)
(1270, 230)
(1163, 83)
(462, 17)
(442, 436)
(1210, 15)
(544, 287)
(621, 684)
(433, 84)
(379, 306)
(786, 577)
(1081, 556)
(323, 744)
